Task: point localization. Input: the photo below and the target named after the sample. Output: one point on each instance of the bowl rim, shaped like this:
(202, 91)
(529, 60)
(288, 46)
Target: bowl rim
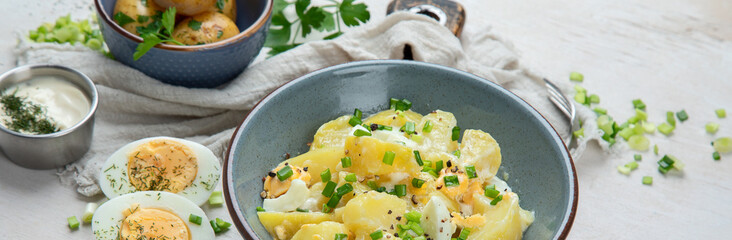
(249, 31)
(93, 95)
(245, 229)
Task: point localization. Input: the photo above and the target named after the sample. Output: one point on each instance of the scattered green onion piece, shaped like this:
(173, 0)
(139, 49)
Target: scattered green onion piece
(639, 142)
(388, 157)
(451, 181)
(682, 115)
(638, 157)
(401, 190)
(427, 126)
(329, 189)
(439, 165)
(497, 200)
(215, 226)
(665, 164)
(605, 123)
(722, 145)
(721, 113)
(491, 192)
(414, 226)
(624, 169)
(381, 189)
(73, 222)
(354, 121)
(417, 183)
(340, 236)
(600, 110)
(665, 128)
(420, 237)
(579, 133)
(455, 133)
(633, 120)
(417, 138)
(579, 89)
(343, 189)
(361, 133)
(351, 177)
(638, 104)
(418, 158)
(649, 127)
(655, 149)
(326, 209)
(409, 127)
(333, 202)
(647, 180)
(456, 153)
(641, 115)
(626, 133)
(216, 199)
(89, 212)
(577, 77)
(712, 127)
(284, 173)
(376, 235)
(261, 209)
(430, 170)
(715, 156)
(638, 129)
(302, 210)
(392, 103)
(670, 118)
(413, 216)
(372, 184)
(325, 175)
(195, 219)
(357, 113)
(580, 98)
(345, 162)
(594, 98)
(470, 171)
(632, 165)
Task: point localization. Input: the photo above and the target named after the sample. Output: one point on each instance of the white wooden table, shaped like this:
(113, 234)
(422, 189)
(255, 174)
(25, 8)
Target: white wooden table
(673, 54)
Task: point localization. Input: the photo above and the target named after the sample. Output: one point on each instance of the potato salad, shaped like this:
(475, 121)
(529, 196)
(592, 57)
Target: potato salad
(393, 175)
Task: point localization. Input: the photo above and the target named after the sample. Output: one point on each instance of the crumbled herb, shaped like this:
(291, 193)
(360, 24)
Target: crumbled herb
(220, 4)
(195, 25)
(26, 116)
(122, 19)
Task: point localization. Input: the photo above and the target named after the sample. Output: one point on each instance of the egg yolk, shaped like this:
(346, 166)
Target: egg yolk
(273, 187)
(162, 165)
(452, 191)
(151, 223)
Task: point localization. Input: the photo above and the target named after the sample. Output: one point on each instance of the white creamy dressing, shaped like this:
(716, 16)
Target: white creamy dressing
(64, 103)
(393, 136)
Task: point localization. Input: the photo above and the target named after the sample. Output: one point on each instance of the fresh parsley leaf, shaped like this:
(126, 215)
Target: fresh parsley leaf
(220, 4)
(353, 13)
(281, 48)
(219, 34)
(301, 6)
(122, 19)
(332, 36)
(312, 18)
(278, 36)
(153, 28)
(195, 25)
(279, 5)
(169, 20)
(328, 24)
(148, 41)
(142, 18)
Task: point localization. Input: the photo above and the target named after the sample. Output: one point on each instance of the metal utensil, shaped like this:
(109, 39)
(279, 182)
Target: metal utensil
(566, 107)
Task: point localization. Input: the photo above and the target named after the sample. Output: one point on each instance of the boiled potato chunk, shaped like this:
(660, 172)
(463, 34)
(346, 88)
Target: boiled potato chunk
(392, 118)
(370, 211)
(332, 134)
(479, 149)
(285, 225)
(440, 137)
(318, 160)
(322, 231)
(136, 10)
(228, 8)
(205, 28)
(505, 220)
(187, 7)
(367, 154)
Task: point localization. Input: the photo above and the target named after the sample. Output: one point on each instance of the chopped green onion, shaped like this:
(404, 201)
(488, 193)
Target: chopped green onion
(73, 222)
(649, 127)
(665, 164)
(417, 183)
(333, 202)
(639, 142)
(670, 118)
(638, 129)
(427, 126)
(579, 89)
(491, 192)
(497, 200)
(401, 190)
(715, 156)
(89, 212)
(400, 105)
(430, 170)
(577, 77)
(638, 157)
(354, 121)
(723, 144)
(329, 189)
(465, 233)
(372, 184)
(195, 219)
(682, 115)
(470, 170)
(594, 98)
(215, 226)
(382, 127)
(641, 115)
(414, 226)
(721, 113)
(647, 180)
(261, 209)
(302, 210)
(216, 199)
(357, 113)
(451, 181)
(626, 133)
(600, 110)
(343, 189)
(361, 133)
(409, 127)
(381, 189)
(638, 104)
(455, 133)
(418, 158)
(580, 97)
(633, 120)
(632, 165)
(413, 216)
(665, 128)
(417, 138)
(284, 173)
(456, 153)
(345, 162)
(223, 225)
(712, 127)
(392, 103)
(326, 209)
(325, 175)
(351, 177)
(340, 236)
(388, 157)
(439, 166)
(655, 149)
(579, 133)
(624, 169)
(376, 235)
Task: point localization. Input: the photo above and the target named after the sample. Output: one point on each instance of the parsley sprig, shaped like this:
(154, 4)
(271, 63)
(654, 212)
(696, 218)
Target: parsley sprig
(326, 18)
(158, 31)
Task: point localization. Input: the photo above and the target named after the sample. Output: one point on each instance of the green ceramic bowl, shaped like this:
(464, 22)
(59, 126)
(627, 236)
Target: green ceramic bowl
(538, 164)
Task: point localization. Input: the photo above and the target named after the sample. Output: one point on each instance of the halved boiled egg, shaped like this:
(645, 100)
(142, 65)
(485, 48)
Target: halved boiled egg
(150, 215)
(165, 164)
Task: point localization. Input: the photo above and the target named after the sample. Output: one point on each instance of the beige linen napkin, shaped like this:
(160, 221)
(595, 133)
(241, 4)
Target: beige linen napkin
(134, 106)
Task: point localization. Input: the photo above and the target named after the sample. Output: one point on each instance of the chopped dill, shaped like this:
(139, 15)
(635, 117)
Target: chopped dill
(26, 116)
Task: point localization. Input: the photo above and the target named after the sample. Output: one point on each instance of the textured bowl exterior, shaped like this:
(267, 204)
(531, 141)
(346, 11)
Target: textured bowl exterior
(538, 164)
(204, 66)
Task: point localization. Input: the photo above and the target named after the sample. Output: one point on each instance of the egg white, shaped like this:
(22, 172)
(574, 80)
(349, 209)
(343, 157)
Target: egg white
(108, 218)
(113, 179)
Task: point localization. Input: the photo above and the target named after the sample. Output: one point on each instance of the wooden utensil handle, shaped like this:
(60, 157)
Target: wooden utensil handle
(450, 13)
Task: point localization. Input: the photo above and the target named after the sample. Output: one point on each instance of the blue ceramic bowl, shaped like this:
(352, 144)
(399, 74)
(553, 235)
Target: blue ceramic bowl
(539, 166)
(200, 66)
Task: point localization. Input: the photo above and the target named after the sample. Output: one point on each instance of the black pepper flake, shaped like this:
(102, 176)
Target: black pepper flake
(305, 169)
(396, 234)
(399, 218)
(374, 126)
(440, 229)
(391, 227)
(439, 187)
(394, 117)
(414, 199)
(287, 155)
(455, 169)
(287, 163)
(272, 174)
(389, 212)
(449, 163)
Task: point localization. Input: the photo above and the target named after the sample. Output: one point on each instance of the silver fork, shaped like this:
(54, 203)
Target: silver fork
(565, 105)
